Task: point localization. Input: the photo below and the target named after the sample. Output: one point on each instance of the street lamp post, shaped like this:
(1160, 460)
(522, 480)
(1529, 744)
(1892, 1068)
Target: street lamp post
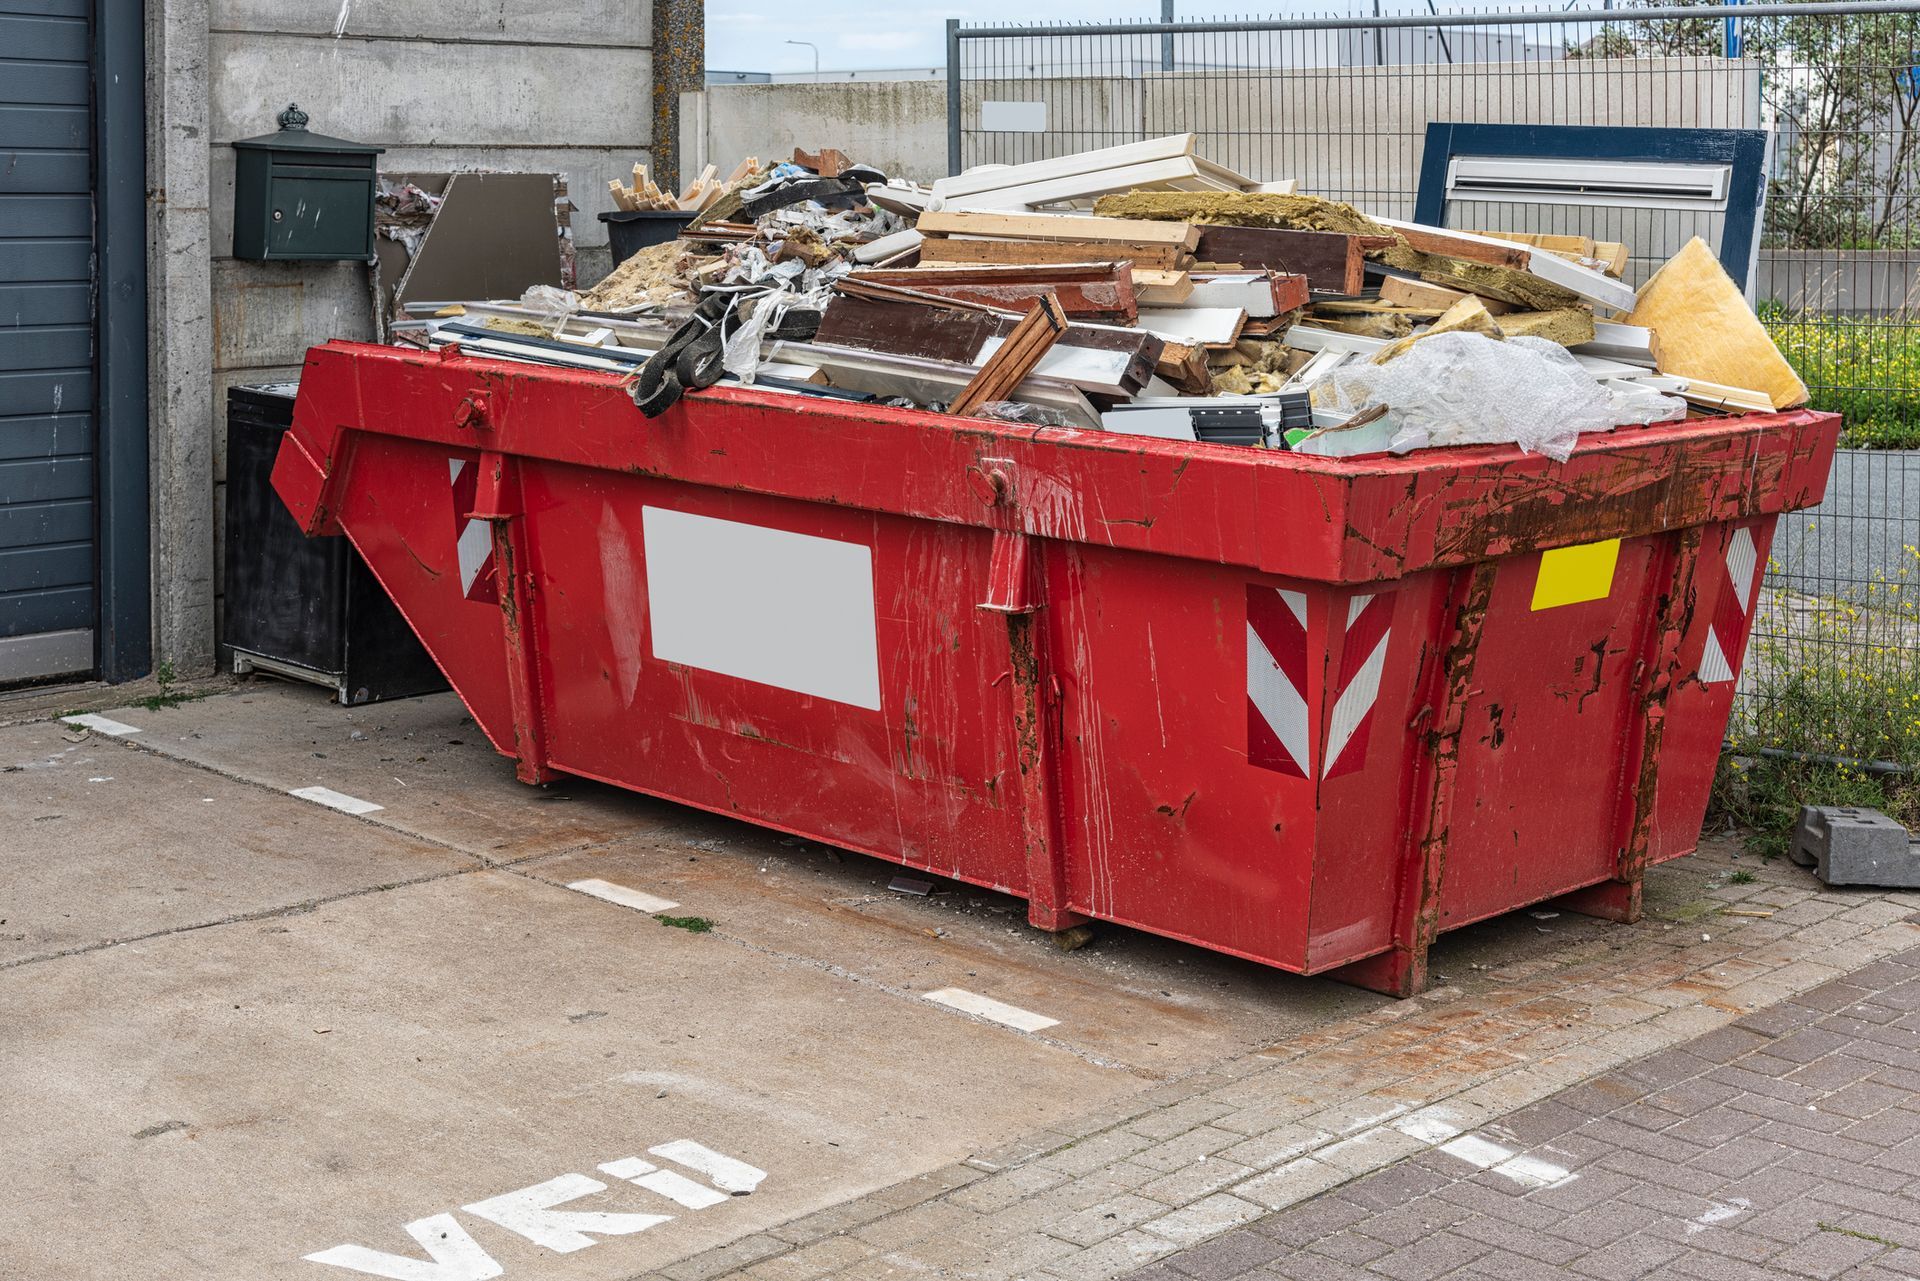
(816, 56)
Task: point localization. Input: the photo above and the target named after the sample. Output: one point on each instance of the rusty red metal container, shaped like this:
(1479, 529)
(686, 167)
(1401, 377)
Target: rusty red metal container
(1307, 711)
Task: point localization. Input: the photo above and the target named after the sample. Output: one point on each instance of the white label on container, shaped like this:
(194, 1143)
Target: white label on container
(784, 609)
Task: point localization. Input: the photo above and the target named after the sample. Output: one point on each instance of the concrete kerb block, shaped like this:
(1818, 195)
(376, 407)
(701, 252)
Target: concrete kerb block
(1853, 845)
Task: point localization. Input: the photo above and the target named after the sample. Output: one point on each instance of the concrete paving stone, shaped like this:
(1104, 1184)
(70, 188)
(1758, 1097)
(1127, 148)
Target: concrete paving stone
(1182, 1150)
(1403, 1225)
(1204, 1219)
(1624, 1260)
(1113, 1257)
(1702, 1267)
(1395, 1186)
(1178, 1118)
(932, 1219)
(1351, 1247)
(1724, 1045)
(1515, 1242)
(1294, 1181)
(1658, 1172)
(1196, 1180)
(1277, 1146)
(1305, 1265)
(732, 1257)
(1226, 1257)
(1104, 1219)
(1007, 1188)
(1827, 1254)
(812, 1261)
(1303, 1224)
(1430, 1257)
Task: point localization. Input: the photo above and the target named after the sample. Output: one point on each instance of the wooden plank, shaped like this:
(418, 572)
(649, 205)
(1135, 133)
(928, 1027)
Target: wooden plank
(1463, 244)
(1153, 257)
(1038, 330)
(1420, 294)
(1086, 291)
(886, 318)
(951, 222)
(1332, 262)
(1161, 288)
(622, 198)
(964, 274)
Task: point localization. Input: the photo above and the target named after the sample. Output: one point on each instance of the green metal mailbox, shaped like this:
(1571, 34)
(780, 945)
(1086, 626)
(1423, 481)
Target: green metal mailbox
(303, 197)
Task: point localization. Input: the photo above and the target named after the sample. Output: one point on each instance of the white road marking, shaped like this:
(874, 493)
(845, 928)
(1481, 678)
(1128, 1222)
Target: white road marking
(1528, 1171)
(530, 1213)
(335, 800)
(101, 724)
(985, 1007)
(1718, 1213)
(1531, 1171)
(456, 1256)
(1429, 1125)
(620, 894)
(675, 1187)
(727, 1174)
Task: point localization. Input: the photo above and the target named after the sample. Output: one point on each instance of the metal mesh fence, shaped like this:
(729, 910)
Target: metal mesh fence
(1341, 103)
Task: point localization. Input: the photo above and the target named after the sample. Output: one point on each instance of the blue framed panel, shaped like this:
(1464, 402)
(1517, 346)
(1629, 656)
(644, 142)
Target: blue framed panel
(1743, 150)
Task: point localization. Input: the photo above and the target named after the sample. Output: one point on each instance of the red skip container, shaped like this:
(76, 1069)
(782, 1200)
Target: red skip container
(1303, 710)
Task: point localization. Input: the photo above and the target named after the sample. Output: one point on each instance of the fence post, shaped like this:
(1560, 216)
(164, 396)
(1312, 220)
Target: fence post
(953, 95)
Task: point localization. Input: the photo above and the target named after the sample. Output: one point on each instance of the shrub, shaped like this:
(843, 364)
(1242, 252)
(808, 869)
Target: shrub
(1866, 369)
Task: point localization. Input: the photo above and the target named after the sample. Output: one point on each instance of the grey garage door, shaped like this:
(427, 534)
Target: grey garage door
(47, 348)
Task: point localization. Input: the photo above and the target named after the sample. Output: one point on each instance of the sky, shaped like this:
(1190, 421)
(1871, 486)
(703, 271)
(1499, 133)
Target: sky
(751, 35)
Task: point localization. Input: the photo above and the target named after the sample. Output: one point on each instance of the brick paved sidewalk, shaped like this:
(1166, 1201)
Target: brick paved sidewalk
(1784, 1145)
(1202, 1155)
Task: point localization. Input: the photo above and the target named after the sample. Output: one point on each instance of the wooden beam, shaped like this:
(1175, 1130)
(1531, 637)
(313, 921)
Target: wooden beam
(948, 222)
(1149, 257)
(1332, 262)
(1429, 297)
(1085, 291)
(1009, 366)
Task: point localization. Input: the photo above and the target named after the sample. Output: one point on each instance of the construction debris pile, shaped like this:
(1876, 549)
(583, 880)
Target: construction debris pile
(1144, 290)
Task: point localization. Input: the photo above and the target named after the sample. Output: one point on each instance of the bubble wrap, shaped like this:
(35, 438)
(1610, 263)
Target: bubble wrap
(1467, 389)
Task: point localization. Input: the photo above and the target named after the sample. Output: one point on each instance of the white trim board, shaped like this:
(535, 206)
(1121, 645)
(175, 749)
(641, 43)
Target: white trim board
(993, 178)
(1194, 325)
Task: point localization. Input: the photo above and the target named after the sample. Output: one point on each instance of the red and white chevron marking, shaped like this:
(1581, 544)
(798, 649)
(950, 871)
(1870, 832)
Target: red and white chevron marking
(1363, 656)
(1727, 633)
(1279, 730)
(1278, 735)
(473, 539)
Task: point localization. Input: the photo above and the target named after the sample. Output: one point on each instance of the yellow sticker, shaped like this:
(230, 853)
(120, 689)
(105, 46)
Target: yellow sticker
(1569, 575)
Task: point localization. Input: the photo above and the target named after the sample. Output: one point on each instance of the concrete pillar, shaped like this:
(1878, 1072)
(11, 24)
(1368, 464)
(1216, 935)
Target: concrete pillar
(679, 66)
(180, 307)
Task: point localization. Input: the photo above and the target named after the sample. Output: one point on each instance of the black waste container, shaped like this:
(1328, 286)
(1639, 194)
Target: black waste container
(630, 231)
(306, 608)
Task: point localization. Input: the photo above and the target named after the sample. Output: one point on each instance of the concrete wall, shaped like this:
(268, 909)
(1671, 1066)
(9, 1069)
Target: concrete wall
(1848, 282)
(898, 126)
(1354, 132)
(525, 85)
